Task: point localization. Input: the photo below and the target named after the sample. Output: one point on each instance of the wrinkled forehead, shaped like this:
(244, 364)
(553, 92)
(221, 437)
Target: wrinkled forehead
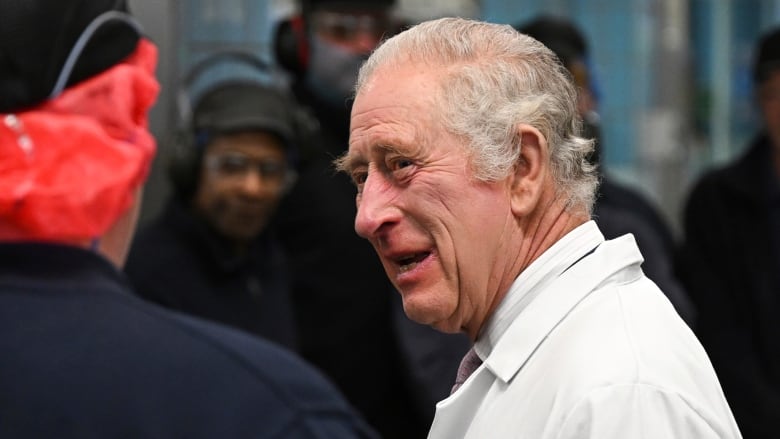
(397, 105)
(350, 14)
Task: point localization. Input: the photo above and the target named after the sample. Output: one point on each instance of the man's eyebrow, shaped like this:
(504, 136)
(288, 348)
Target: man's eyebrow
(348, 162)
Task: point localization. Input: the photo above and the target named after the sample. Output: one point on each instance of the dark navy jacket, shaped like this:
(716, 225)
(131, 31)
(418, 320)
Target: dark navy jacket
(179, 262)
(82, 357)
(344, 302)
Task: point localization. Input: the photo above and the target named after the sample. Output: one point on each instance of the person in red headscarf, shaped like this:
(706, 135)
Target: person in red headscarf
(82, 355)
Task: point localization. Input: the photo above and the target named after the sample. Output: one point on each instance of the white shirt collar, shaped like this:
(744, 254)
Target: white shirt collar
(540, 273)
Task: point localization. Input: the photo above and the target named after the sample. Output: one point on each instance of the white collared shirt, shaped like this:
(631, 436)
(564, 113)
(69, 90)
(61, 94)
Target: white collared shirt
(585, 346)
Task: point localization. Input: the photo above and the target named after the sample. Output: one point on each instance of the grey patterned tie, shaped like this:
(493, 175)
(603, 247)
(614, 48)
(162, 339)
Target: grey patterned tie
(468, 365)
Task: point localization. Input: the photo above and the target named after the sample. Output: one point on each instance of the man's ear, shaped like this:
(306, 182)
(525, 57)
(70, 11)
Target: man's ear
(531, 171)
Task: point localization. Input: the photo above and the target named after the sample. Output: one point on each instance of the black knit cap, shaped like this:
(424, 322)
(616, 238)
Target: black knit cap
(237, 106)
(36, 37)
(767, 58)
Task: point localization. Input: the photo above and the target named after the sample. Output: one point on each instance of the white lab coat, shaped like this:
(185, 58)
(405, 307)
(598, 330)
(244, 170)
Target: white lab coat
(599, 352)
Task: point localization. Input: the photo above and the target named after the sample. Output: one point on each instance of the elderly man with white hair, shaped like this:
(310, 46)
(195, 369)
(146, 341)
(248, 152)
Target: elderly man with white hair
(474, 188)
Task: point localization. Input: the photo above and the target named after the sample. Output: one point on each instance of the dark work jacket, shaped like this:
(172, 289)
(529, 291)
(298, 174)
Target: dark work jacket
(342, 296)
(729, 265)
(83, 357)
(178, 261)
(612, 194)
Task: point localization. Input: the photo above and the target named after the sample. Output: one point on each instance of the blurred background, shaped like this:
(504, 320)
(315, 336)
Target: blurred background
(673, 76)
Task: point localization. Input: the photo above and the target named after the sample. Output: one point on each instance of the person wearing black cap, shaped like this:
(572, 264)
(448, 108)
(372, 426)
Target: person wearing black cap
(344, 303)
(83, 357)
(212, 253)
(730, 260)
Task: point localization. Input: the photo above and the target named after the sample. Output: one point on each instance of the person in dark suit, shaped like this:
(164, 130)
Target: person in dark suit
(344, 304)
(730, 260)
(83, 357)
(211, 252)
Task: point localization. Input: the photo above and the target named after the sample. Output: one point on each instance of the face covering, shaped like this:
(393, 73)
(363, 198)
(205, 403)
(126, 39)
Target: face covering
(333, 72)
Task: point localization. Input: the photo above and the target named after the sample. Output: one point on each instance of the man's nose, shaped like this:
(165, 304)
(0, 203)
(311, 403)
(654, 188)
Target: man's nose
(253, 183)
(375, 207)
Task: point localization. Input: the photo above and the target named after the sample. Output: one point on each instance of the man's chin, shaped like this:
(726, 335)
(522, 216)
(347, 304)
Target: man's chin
(241, 232)
(430, 314)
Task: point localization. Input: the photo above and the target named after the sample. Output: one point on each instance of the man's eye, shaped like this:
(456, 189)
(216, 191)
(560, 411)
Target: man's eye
(399, 163)
(359, 177)
(229, 164)
(342, 31)
(271, 169)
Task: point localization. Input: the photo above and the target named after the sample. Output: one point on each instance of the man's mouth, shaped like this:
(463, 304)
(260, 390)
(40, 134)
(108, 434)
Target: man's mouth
(409, 263)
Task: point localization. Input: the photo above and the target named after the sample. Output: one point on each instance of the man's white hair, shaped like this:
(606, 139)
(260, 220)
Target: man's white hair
(496, 78)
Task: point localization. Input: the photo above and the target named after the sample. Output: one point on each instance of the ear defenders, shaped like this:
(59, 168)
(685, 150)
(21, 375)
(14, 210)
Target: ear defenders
(291, 45)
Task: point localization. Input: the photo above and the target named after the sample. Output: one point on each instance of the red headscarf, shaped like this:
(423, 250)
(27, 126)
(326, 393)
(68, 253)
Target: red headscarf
(68, 168)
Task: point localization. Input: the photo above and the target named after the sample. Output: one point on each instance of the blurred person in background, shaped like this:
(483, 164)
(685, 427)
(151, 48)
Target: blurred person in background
(730, 259)
(344, 304)
(83, 357)
(212, 252)
(618, 209)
